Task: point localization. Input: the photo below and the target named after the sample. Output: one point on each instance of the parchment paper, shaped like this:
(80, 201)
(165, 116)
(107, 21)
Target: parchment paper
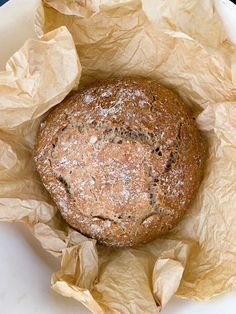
(183, 45)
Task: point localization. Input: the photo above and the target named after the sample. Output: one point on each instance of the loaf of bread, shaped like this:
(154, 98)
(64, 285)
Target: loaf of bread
(122, 160)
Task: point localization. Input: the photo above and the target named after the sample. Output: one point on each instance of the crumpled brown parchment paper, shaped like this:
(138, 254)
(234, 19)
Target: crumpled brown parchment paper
(183, 45)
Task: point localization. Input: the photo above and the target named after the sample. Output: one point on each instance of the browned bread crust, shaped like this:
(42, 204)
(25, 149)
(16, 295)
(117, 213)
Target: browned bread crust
(122, 159)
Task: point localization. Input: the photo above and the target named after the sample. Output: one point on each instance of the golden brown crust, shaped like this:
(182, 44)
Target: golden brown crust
(122, 159)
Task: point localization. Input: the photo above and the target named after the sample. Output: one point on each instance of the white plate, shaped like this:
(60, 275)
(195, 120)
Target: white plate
(25, 267)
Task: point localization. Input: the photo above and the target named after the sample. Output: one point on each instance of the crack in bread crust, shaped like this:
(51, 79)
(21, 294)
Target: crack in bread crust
(117, 135)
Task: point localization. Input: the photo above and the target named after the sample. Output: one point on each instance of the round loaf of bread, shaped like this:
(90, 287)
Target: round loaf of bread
(122, 160)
